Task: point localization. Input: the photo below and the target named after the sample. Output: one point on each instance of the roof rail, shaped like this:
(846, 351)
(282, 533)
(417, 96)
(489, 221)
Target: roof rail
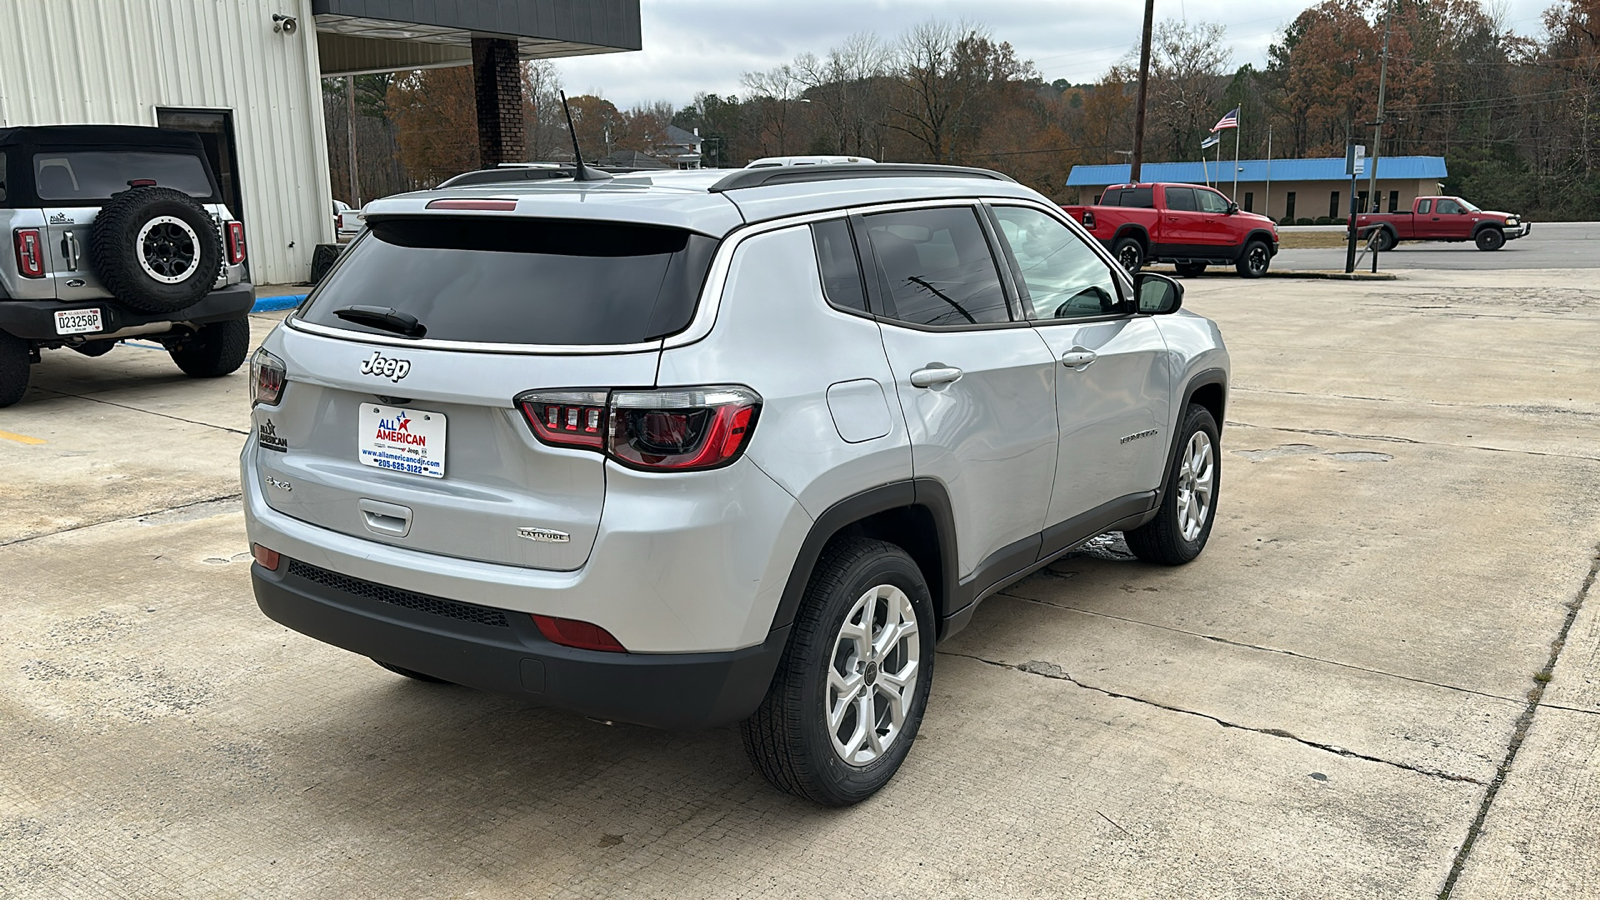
(512, 174)
(750, 178)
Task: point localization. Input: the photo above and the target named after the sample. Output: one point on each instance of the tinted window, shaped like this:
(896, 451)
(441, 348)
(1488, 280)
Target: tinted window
(500, 279)
(2, 176)
(938, 267)
(1210, 201)
(1063, 278)
(836, 258)
(96, 175)
(1180, 199)
(1424, 206)
(1142, 198)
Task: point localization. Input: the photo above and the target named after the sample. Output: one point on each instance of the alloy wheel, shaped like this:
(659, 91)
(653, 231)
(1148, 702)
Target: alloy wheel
(872, 675)
(168, 249)
(1196, 483)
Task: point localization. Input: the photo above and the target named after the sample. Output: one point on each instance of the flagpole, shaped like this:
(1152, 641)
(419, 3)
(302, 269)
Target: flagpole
(1236, 130)
(1269, 172)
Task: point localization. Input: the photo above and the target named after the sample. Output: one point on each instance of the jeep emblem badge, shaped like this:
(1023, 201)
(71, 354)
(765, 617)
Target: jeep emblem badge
(386, 367)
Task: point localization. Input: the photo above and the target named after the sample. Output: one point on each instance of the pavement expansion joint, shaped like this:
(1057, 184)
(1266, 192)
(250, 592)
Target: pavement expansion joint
(1261, 649)
(1520, 733)
(1056, 673)
(128, 518)
(145, 411)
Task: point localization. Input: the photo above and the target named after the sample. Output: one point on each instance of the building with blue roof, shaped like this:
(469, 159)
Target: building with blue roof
(1281, 188)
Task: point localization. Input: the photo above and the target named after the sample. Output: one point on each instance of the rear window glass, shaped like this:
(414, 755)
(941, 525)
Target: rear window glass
(1180, 199)
(97, 174)
(1142, 198)
(503, 280)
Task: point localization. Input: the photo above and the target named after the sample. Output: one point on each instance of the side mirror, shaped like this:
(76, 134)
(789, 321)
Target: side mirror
(1158, 294)
(1232, 208)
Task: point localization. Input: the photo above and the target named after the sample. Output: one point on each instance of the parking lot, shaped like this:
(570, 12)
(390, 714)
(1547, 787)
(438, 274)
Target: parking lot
(1387, 632)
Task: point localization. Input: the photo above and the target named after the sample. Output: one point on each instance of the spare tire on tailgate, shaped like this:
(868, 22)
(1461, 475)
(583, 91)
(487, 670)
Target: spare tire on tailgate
(156, 249)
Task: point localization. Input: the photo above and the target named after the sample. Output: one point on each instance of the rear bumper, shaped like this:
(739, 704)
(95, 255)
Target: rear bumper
(503, 651)
(34, 320)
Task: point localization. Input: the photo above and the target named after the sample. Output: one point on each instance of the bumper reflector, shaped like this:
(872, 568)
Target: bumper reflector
(573, 633)
(267, 559)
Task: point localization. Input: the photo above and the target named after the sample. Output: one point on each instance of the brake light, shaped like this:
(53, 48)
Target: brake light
(30, 252)
(235, 243)
(676, 429)
(573, 633)
(1088, 219)
(267, 378)
(499, 205)
(566, 418)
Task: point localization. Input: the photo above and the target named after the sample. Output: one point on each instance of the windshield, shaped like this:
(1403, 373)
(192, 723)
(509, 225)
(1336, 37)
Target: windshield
(1467, 206)
(502, 279)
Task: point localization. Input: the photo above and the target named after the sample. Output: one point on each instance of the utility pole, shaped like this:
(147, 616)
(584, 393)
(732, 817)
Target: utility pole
(1144, 85)
(1377, 127)
(350, 125)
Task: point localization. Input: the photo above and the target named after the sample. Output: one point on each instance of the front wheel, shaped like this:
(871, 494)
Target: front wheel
(1130, 253)
(215, 350)
(1255, 259)
(1189, 499)
(1490, 239)
(850, 691)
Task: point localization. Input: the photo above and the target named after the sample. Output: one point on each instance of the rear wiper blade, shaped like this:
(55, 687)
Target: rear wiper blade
(387, 318)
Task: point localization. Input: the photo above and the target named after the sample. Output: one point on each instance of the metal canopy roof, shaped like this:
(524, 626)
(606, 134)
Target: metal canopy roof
(1404, 168)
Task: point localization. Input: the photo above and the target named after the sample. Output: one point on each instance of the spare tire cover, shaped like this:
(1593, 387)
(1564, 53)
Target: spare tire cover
(156, 249)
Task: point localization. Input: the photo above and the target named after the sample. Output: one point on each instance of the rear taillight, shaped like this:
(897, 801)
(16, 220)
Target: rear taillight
(30, 252)
(267, 377)
(675, 429)
(235, 243)
(573, 633)
(1088, 220)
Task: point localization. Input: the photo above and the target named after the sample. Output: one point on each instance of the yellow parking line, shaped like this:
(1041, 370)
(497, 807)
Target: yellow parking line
(20, 438)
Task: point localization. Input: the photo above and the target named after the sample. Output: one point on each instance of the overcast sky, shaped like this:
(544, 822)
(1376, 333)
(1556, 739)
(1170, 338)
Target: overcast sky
(705, 45)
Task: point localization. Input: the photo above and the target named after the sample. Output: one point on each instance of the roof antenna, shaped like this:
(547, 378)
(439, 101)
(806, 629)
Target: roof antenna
(580, 171)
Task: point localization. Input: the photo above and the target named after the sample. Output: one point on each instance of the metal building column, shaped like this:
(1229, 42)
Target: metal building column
(497, 79)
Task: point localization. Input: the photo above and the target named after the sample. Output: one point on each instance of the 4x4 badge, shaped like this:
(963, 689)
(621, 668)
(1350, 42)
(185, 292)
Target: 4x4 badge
(386, 367)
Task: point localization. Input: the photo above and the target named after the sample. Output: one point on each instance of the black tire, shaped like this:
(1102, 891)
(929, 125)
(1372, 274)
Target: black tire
(1255, 259)
(1489, 239)
(410, 673)
(1383, 240)
(1162, 539)
(14, 364)
(181, 242)
(787, 738)
(1129, 251)
(215, 350)
(1191, 270)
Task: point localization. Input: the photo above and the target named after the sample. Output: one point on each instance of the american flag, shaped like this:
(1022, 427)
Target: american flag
(1231, 120)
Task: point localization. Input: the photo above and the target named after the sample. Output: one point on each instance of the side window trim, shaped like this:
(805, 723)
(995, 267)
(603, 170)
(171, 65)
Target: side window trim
(855, 250)
(880, 300)
(1119, 277)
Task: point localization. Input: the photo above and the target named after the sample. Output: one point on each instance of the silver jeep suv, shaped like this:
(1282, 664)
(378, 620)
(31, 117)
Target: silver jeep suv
(708, 447)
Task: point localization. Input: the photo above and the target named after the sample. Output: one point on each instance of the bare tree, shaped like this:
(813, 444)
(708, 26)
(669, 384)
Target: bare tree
(541, 98)
(848, 87)
(774, 93)
(1188, 74)
(949, 79)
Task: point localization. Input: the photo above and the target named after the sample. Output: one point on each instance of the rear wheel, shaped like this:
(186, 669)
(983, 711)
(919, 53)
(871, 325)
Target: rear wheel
(1130, 253)
(1490, 239)
(411, 673)
(14, 364)
(850, 691)
(1383, 240)
(1255, 259)
(1190, 270)
(215, 350)
(1189, 501)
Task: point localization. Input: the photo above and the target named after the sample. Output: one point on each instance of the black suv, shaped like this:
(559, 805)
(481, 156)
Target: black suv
(117, 231)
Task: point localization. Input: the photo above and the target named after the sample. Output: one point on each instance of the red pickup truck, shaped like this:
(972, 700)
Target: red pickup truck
(1441, 219)
(1189, 225)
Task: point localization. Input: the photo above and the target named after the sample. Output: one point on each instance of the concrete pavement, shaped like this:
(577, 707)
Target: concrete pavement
(1330, 702)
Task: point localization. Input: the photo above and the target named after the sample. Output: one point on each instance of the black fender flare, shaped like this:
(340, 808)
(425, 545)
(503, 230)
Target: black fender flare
(1200, 379)
(1133, 231)
(1482, 226)
(919, 492)
(1262, 235)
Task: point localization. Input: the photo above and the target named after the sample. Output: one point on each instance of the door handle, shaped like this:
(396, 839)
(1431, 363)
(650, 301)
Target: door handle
(933, 374)
(69, 249)
(1078, 359)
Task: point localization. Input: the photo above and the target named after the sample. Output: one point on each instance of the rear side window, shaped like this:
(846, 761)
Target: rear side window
(937, 267)
(1180, 199)
(836, 258)
(505, 280)
(97, 174)
(1424, 206)
(1141, 198)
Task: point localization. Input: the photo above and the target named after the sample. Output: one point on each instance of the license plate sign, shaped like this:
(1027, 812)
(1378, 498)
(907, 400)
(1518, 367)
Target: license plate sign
(401, 440)
(79, 321)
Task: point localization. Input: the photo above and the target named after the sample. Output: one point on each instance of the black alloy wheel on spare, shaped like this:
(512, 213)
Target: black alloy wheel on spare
(14, 363)
(1130, 253)
(156, 249)
(1255, 259)
(1490, 239)
(215, 350)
